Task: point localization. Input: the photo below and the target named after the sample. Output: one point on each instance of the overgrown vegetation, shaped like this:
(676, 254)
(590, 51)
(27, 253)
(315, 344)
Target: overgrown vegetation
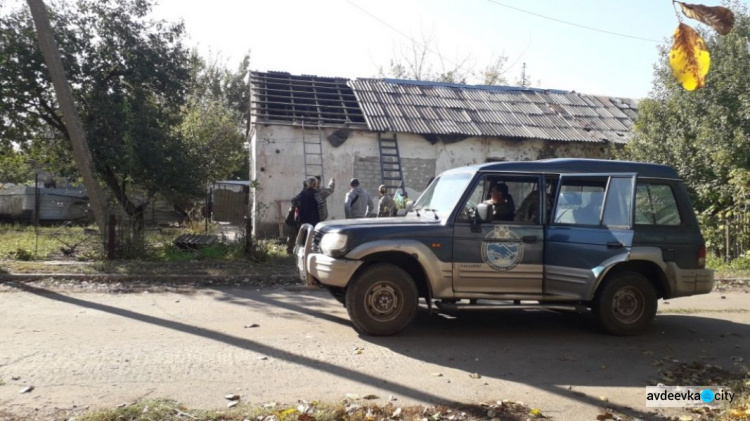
(24, 243)
(705, 136)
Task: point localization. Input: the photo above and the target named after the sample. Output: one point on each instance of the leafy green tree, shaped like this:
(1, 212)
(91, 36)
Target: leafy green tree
(704, 134)
(15, 167)
(129, 75)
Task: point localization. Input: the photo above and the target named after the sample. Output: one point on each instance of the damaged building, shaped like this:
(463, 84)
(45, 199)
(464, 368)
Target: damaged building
(404, 132)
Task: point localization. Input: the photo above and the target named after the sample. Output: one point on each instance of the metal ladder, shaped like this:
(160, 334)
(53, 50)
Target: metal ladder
(313, 154)
(390, 163)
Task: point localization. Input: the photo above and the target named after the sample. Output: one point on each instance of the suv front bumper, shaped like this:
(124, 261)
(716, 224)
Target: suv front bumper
(317, 268)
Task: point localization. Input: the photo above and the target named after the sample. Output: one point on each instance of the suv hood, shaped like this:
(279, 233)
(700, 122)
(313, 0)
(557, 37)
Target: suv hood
(426, 219)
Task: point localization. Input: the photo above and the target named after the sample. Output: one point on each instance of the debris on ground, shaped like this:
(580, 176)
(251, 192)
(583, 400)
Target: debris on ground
(168, 410)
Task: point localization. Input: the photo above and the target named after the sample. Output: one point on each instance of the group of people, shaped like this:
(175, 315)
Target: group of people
(309, 206)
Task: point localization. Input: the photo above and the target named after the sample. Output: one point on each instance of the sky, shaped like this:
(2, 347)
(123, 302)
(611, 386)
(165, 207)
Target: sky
(600, 47)
(353, 38)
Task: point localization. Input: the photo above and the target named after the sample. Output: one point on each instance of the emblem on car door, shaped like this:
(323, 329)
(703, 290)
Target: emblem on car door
(502, 249)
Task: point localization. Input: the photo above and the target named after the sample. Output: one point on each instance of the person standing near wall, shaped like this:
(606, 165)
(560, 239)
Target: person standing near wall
(358, 203)
(324, 192)
(308, 204)
(386, 205)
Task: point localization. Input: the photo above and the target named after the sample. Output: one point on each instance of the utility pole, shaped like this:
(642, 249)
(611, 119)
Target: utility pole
(524, 79)
(81, 151)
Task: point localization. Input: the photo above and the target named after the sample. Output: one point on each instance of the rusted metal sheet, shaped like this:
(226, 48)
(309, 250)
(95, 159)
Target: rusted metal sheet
(435, 108)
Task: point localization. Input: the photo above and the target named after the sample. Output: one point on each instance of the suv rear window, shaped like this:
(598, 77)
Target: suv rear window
(655, 204)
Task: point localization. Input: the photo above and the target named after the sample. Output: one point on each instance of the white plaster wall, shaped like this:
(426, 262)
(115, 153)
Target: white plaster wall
(278, 168)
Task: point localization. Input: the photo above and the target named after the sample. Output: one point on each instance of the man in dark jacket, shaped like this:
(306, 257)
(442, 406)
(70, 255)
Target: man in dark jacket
(308, 204)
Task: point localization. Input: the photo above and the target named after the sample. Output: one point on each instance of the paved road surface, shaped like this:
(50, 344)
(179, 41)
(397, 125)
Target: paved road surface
(96, 350)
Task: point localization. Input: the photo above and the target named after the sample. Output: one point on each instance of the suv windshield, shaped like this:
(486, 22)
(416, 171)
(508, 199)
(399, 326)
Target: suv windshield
(443, 194)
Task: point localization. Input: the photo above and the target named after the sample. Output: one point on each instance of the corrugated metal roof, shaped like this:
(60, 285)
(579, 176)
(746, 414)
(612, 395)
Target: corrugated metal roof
(453, 109)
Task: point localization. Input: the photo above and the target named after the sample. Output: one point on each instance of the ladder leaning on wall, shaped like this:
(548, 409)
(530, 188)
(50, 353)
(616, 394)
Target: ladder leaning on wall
(390, 163)
(313, 154)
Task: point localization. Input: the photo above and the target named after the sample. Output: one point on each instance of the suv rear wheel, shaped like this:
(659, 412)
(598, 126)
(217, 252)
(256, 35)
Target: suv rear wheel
(626, 304)
(382, 300)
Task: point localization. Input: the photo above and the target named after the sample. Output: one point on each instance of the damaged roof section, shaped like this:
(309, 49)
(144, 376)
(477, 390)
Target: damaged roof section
(498, 111)
(301, 100)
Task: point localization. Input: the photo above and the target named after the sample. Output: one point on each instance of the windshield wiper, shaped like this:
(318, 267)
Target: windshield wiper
(416, 210)
(434, 211)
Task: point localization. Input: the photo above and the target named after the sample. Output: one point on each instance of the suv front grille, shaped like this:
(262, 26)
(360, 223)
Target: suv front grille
(317, 235)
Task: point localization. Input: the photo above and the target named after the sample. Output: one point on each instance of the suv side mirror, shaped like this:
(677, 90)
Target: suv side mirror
(483, 212)
(408, 206)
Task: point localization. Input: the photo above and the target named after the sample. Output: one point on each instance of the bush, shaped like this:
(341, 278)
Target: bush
(21, 254)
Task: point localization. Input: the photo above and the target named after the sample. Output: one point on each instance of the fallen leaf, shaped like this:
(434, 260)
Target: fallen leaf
(475, 376)
(286, 412)
(252, 325)
(352, 396)
(605, 416)
(397, 412)
(603, 398)
(232, 404)
(262, 358)
(270, 405)
(232, 397)
(535, 413)
(392, 398)
(305, 417)
(16, 378)
(437, 374)
(370, 397)
(26, 389)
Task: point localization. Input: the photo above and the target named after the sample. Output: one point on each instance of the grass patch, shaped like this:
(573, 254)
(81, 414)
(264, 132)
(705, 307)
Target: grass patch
(349, 410)
(737, 268)
(22, 242)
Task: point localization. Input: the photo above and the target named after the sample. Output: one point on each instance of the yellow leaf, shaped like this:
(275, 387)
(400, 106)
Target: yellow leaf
(535, 413)
(286, 412)
(717, 17)
(689, 58)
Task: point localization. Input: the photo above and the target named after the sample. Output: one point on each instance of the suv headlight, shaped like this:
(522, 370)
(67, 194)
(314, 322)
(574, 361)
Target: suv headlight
(333, 244)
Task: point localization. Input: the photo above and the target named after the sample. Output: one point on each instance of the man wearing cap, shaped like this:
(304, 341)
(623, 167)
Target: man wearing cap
(358, 203)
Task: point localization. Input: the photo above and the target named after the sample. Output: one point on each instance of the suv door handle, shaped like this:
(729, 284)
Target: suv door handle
(529, 239)
(615, 245)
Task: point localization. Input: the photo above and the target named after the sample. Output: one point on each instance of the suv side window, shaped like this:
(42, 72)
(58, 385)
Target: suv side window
(655, 204)
(580, 200)
(518, 201)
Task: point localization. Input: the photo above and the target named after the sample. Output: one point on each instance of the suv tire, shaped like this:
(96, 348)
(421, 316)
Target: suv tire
(626, 304)
(382, 300)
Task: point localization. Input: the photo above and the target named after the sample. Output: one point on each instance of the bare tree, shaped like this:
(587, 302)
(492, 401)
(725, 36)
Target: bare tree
(422, 60)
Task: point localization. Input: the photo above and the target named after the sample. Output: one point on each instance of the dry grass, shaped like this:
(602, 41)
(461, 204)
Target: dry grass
(348, 410)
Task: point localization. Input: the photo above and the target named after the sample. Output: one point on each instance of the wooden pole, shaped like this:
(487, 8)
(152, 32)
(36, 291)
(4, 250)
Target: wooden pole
(82, 154)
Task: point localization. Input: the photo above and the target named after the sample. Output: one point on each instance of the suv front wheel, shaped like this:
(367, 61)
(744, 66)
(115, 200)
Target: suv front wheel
(382, 300)
(626, 304)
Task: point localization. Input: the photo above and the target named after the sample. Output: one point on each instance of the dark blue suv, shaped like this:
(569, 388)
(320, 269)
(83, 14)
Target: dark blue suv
(610, 236)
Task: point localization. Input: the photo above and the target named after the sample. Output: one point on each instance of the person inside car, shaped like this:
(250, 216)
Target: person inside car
(503, 208)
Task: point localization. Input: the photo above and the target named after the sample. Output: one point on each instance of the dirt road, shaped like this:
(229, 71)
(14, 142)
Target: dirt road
(94, 350)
